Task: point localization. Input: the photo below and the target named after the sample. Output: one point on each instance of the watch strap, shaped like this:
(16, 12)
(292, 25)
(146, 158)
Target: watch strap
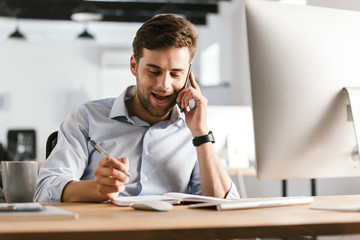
(197, 141)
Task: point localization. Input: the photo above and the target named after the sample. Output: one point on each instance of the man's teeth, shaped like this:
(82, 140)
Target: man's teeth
(160, 97)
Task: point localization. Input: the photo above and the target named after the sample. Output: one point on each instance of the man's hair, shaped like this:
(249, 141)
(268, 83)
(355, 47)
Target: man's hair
(165, 31)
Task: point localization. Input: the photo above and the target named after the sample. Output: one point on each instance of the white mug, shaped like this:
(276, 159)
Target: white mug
(19, 180)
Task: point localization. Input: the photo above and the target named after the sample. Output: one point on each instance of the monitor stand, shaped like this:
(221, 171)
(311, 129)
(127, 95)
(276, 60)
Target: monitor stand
(354, 99)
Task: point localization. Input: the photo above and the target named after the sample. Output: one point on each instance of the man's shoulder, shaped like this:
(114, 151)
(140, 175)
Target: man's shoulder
(95, 107)
(100, 103)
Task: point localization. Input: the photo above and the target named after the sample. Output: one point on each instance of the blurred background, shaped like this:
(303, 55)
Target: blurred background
(58, 54)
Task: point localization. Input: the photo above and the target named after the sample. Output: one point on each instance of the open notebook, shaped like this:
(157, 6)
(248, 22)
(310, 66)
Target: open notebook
(172, 197)
(255, 203)
(197, 201)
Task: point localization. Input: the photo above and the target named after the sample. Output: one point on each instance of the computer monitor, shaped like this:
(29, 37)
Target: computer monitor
(21, 144)
(301, 58)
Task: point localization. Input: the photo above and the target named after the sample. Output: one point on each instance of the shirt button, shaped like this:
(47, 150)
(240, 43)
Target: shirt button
(145, 178)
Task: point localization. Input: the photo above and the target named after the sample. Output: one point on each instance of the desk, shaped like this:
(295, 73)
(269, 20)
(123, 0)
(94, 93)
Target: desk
(105, 221)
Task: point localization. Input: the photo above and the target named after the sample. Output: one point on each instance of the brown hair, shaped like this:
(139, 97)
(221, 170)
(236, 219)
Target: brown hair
(165, 31)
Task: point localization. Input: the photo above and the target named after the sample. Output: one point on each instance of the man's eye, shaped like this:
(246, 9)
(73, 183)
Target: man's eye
(156, 73)
(175, 75)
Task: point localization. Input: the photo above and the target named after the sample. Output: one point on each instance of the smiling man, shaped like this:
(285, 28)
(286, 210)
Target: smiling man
(153, 147)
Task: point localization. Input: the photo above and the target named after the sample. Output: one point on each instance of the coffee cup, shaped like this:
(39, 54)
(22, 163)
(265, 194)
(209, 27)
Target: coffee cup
(19, 180)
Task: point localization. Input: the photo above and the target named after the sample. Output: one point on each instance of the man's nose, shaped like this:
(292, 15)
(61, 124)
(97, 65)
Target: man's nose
(165, 81)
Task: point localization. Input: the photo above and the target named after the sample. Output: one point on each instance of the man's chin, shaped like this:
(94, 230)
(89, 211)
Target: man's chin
(155, 112)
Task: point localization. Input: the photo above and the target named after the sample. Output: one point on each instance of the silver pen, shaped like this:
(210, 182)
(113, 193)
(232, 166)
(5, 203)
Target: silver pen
(101, 150)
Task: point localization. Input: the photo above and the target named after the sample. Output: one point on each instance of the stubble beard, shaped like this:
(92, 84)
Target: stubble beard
(146, 103)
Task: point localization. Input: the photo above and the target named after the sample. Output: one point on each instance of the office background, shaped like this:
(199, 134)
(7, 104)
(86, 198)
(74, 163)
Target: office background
(51, 72)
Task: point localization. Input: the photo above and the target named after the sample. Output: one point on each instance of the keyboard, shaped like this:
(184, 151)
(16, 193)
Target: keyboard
(256, 203)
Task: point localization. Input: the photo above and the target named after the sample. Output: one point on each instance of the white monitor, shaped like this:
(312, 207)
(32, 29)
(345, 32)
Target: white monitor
(301, 58)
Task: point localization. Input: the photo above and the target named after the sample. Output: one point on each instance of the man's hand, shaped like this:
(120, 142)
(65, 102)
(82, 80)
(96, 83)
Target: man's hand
(195, 117)
(111, 176)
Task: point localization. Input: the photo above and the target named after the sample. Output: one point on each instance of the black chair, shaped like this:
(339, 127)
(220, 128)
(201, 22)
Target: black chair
(51, 142)
(3, 154)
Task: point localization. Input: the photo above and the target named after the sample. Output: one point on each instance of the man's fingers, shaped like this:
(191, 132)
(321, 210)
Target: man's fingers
(111, 182)
(125, 161)
(106, 172)
(193, 82)
(110, 191)
(121, 164)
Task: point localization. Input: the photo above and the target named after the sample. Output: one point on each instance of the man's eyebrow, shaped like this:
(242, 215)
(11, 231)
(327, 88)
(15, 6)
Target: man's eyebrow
(157, 67)
(153, 66)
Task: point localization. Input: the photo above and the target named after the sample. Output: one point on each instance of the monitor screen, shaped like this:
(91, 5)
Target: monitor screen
(21, 144)
(301, 58)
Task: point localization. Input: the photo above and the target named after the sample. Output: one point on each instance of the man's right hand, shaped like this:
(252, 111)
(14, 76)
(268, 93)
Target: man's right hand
(111, 176)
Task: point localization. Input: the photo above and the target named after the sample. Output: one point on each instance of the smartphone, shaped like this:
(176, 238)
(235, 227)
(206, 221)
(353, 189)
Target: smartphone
(187, 82)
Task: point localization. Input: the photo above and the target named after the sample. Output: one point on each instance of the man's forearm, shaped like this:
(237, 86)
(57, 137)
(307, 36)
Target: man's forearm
(82, 191)
(214, 179)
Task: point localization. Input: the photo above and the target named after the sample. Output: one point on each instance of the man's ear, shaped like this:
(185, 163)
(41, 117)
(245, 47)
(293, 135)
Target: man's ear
(133, 65)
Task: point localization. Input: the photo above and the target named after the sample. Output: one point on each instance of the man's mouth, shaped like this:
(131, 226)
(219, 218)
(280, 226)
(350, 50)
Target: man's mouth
(161, 99)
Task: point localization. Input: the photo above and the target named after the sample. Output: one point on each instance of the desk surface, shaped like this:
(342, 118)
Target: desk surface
(105, 221)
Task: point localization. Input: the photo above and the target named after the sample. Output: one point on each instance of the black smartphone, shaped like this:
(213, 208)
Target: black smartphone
(187, 82)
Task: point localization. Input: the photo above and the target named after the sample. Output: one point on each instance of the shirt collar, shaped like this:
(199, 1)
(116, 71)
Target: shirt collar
(119, 109)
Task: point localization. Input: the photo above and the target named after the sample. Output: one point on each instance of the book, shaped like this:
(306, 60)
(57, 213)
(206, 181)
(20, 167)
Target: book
(171, 197)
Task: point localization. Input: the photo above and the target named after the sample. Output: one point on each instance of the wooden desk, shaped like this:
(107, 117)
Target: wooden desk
(104, 221)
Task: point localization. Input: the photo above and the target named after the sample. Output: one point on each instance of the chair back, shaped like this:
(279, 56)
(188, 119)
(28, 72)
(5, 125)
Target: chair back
(51, 142)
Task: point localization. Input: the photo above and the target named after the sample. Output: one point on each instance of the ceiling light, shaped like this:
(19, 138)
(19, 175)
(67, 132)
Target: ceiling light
(86, 12)
(17, 34)
(85, 35)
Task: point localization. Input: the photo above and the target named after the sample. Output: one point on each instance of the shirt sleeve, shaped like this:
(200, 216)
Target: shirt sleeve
(233, 192)
(67, 161)
(195, 185)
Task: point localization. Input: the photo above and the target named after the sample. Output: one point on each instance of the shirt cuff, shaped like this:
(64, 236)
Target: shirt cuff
(233, 192)
(52, 190)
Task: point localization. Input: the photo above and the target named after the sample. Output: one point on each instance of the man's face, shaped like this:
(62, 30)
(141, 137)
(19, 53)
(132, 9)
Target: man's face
(160, 75)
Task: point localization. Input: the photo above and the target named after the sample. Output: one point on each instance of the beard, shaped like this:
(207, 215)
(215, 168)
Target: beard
(154, 110)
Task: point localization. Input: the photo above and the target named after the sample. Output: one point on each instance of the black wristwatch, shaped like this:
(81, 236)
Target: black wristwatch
(197, 141)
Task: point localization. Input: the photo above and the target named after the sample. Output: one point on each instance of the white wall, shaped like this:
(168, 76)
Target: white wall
(52, 72)
(228, 29)
(40, 80)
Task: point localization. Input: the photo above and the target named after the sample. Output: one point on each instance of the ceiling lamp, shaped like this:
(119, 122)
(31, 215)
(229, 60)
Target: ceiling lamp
(85, 35)
(17, 35)
(86, 12)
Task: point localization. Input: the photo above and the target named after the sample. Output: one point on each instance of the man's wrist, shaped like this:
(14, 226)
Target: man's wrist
(199, 133)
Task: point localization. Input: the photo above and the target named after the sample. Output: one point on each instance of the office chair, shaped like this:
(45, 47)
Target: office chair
(51, 143)
(3, 154)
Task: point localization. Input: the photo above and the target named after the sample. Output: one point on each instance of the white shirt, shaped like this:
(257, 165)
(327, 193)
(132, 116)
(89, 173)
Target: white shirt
(161, 157)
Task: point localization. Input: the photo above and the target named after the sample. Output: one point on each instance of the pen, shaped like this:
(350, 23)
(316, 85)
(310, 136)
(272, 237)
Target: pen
(101, 150)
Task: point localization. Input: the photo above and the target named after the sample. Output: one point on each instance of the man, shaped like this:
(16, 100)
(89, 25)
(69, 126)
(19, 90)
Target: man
(147, 137)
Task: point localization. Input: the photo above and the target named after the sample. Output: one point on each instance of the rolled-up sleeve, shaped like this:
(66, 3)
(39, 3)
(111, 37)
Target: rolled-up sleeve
(67, 161)
(233, 192)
